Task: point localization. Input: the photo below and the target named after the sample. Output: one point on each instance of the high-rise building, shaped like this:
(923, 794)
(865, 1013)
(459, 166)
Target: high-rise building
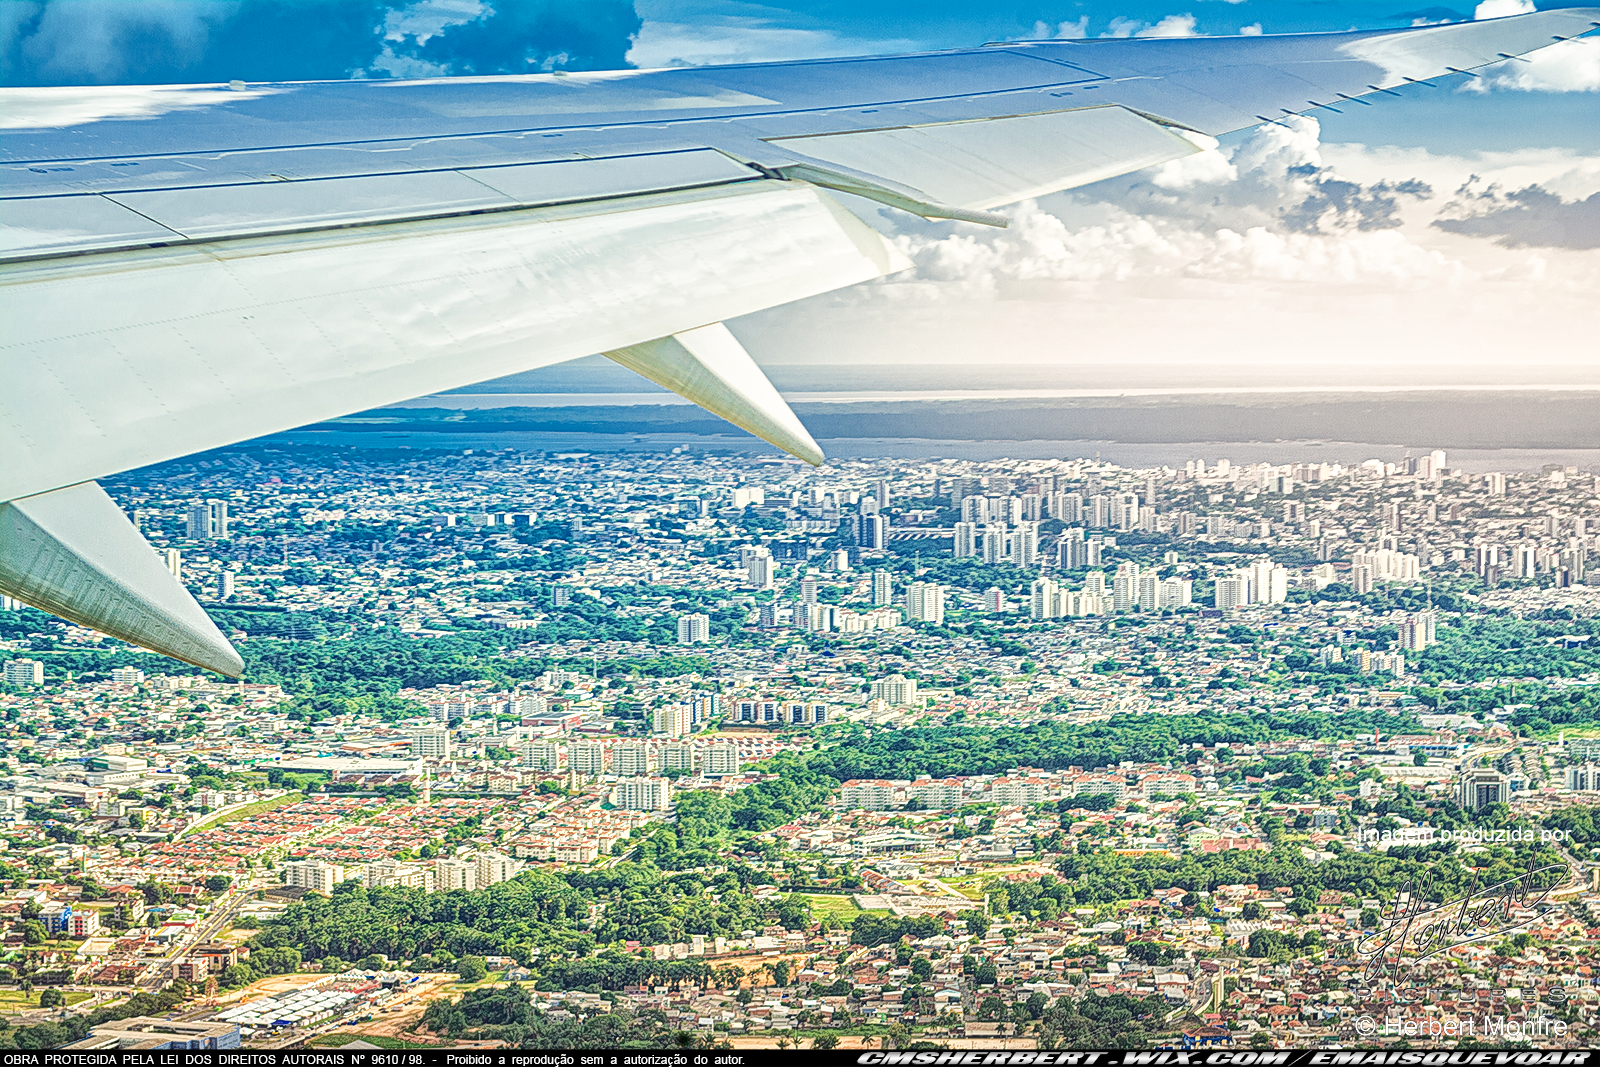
(694, 629)
(1042, 599)
(872, 531)
(495, 867)
(895, 689)
(1231, 592)
(1416, 632)
(1025, 545)
(975, 509)
(127, 676)
(630, 758)
(1175, 593)
(1478, 789)
(674, 720)
(586, 757)
(721, 759)
(1098, 511)
(315, 875)
(431, 742)
(24, 672)
(209, 520)
(1496, 483)
(1125, 587)
(677, 756)
(225, 585)
(882, 493)
(808, 590)
(1149, 591)
(1269, 582)
(1361, 578)
(925, 602)
(451, 874)
(541, 755)
(1072, 551)
(173, 560)
(882, 587)
(994, 600)
(994, 544)
(967, 543)
(758, 566)
(643, 794)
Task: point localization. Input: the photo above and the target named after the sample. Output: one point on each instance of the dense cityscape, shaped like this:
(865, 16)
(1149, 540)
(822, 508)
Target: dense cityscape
(720, 750)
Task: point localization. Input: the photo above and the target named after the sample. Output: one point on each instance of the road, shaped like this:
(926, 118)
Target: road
(159, 972)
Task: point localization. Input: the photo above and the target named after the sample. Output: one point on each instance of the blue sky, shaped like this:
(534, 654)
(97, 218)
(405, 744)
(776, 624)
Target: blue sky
(1285, 242)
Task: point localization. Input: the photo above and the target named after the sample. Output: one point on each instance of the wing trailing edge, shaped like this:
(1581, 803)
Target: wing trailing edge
(73, 553)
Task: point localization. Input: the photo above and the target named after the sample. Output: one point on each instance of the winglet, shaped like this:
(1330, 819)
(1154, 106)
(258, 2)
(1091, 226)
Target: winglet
(710, 367)
(73, 553)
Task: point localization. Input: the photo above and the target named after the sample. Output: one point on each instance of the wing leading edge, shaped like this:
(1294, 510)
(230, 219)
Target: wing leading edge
(185, 267)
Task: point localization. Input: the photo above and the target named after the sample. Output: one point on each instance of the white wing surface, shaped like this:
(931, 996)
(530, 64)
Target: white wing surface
(183, 267)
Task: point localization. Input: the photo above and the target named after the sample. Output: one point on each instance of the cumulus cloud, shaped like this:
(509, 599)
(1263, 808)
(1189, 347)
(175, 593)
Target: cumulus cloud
(1059, 31)
(1532, 216)
(1267, 209)
(70, 42)
(1568, 67)
(1170, 26)
(1499, 9)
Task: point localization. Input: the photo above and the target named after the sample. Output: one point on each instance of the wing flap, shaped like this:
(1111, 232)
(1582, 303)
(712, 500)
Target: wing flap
(49, 225)
(986, 163)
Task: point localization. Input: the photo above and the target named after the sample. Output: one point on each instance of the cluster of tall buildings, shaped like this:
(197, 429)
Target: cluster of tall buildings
(995, 543)
(1132, 588)
(468, 871)
(633, 758)
(1263, 582)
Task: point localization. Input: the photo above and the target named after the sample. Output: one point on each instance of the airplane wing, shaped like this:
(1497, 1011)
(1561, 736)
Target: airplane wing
(184, 267)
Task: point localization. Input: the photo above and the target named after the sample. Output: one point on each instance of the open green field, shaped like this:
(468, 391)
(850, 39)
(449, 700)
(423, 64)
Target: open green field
(835, 907)
(247, 811)
(16, 1000)
(971, 888)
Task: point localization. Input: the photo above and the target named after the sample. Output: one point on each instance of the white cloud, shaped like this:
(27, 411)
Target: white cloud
(1062, 31)
(1252, 30)
(1499, 9)
(1567, 67)
(1171, 26)
(429, 18)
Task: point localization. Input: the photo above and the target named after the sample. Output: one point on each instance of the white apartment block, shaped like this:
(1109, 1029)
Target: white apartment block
(630, 759)
(895, 689)
(455, 874)
(495, 867)
(431, 742)
(315, 875)
(868, 794)
(694, 629)
(586, 757)
(24, 672)
(643, 794)
(389, 873)
(721, 759)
